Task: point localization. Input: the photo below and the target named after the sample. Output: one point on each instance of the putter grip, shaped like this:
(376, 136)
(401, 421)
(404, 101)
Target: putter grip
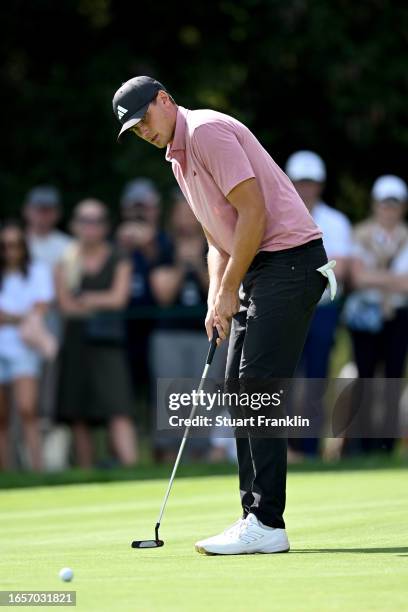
(213, 346)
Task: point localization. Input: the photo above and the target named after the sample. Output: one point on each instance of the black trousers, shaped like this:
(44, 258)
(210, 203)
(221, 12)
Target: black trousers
(388, 347)
(278, 297)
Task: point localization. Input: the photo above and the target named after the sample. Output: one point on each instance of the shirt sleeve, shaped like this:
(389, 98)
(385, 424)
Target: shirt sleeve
(341, 239)
(222, 154)
(42, 284)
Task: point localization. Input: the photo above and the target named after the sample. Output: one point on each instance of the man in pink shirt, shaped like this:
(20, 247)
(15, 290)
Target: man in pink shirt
(263, 253)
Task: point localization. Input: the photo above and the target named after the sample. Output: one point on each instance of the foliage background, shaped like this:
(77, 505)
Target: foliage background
(327, 75)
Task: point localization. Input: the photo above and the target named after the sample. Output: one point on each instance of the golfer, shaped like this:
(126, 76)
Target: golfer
(263, 253)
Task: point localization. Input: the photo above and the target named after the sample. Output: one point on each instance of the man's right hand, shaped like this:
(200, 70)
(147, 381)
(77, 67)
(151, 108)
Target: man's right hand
(210, 324)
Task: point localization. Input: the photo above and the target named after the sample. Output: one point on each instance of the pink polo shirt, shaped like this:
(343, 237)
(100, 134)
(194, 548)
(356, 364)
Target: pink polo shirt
(210, 154)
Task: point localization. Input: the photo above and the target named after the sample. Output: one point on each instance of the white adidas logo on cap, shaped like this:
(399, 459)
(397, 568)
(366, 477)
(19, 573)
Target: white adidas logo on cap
(121, 111)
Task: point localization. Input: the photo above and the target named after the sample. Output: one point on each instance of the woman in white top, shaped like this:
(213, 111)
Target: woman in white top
(25, 287)
(377, 311)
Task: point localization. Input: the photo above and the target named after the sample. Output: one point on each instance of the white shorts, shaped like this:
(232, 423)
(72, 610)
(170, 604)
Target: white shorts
(25, 364)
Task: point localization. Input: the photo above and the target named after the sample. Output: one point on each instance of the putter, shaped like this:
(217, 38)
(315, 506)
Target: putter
(156, 543)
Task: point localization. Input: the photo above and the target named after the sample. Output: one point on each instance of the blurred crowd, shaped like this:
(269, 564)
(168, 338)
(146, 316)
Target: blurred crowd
(92, 316)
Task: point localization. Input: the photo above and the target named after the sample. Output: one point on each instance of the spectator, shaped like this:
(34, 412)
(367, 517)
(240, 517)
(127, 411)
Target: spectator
(377, 311)
(179, 343)
(183, 283)
(93, 284)
(42, 212)
(148, 246)
(140, 201)
(308, 173)
(25, 288)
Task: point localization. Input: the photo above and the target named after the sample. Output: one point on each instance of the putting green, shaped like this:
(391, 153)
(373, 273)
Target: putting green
(348, 531)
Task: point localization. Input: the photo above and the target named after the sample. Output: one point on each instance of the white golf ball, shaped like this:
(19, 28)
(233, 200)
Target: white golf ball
(66, 574)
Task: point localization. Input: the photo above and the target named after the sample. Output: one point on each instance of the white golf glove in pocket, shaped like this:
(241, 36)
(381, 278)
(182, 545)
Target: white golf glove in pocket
(327, 271)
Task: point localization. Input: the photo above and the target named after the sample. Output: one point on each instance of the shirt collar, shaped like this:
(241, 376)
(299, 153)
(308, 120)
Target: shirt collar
(176, 150)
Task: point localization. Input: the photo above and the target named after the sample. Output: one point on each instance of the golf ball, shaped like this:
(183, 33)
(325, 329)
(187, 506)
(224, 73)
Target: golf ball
(66, 574)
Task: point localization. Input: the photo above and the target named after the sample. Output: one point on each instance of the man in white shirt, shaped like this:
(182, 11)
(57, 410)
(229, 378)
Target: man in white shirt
(42, 212)
(308, 174)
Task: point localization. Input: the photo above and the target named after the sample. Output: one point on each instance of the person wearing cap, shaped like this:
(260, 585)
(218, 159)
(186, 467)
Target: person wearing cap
(180, 288)
(141, 236)
(148, 246)
(264, 252)
(376, 313)
(307, 171)
(42, 212)
(140, 201)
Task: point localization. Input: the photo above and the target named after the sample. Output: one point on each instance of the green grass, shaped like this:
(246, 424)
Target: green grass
(150, 471)
(348, 531)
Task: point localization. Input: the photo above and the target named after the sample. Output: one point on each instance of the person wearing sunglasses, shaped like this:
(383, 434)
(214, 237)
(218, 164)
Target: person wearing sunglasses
(26, 288)
(93, 286)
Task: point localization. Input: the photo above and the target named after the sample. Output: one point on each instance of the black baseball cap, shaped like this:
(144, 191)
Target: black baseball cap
(132, 99)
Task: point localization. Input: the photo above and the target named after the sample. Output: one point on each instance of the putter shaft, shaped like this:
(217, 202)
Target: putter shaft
(180, 452)
(157, 542)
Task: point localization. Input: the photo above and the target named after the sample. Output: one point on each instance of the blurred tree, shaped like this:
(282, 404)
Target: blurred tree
(330, 76)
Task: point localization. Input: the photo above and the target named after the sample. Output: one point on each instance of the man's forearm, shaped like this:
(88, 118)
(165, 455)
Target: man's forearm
(217, 262)
(249, 231)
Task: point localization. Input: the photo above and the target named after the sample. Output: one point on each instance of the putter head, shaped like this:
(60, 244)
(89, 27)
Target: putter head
(147, 543)
(156, 543)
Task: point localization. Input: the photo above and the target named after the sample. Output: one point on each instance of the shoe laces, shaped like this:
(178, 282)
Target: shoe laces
(247, 524)
(234, 528)
(242, 528)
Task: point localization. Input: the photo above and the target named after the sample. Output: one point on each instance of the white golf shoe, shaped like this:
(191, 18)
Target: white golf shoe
(246, 536)
(227, 533)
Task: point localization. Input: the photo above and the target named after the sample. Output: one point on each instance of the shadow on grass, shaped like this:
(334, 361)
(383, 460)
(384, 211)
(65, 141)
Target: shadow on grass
(150, 471)
(396, 549)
